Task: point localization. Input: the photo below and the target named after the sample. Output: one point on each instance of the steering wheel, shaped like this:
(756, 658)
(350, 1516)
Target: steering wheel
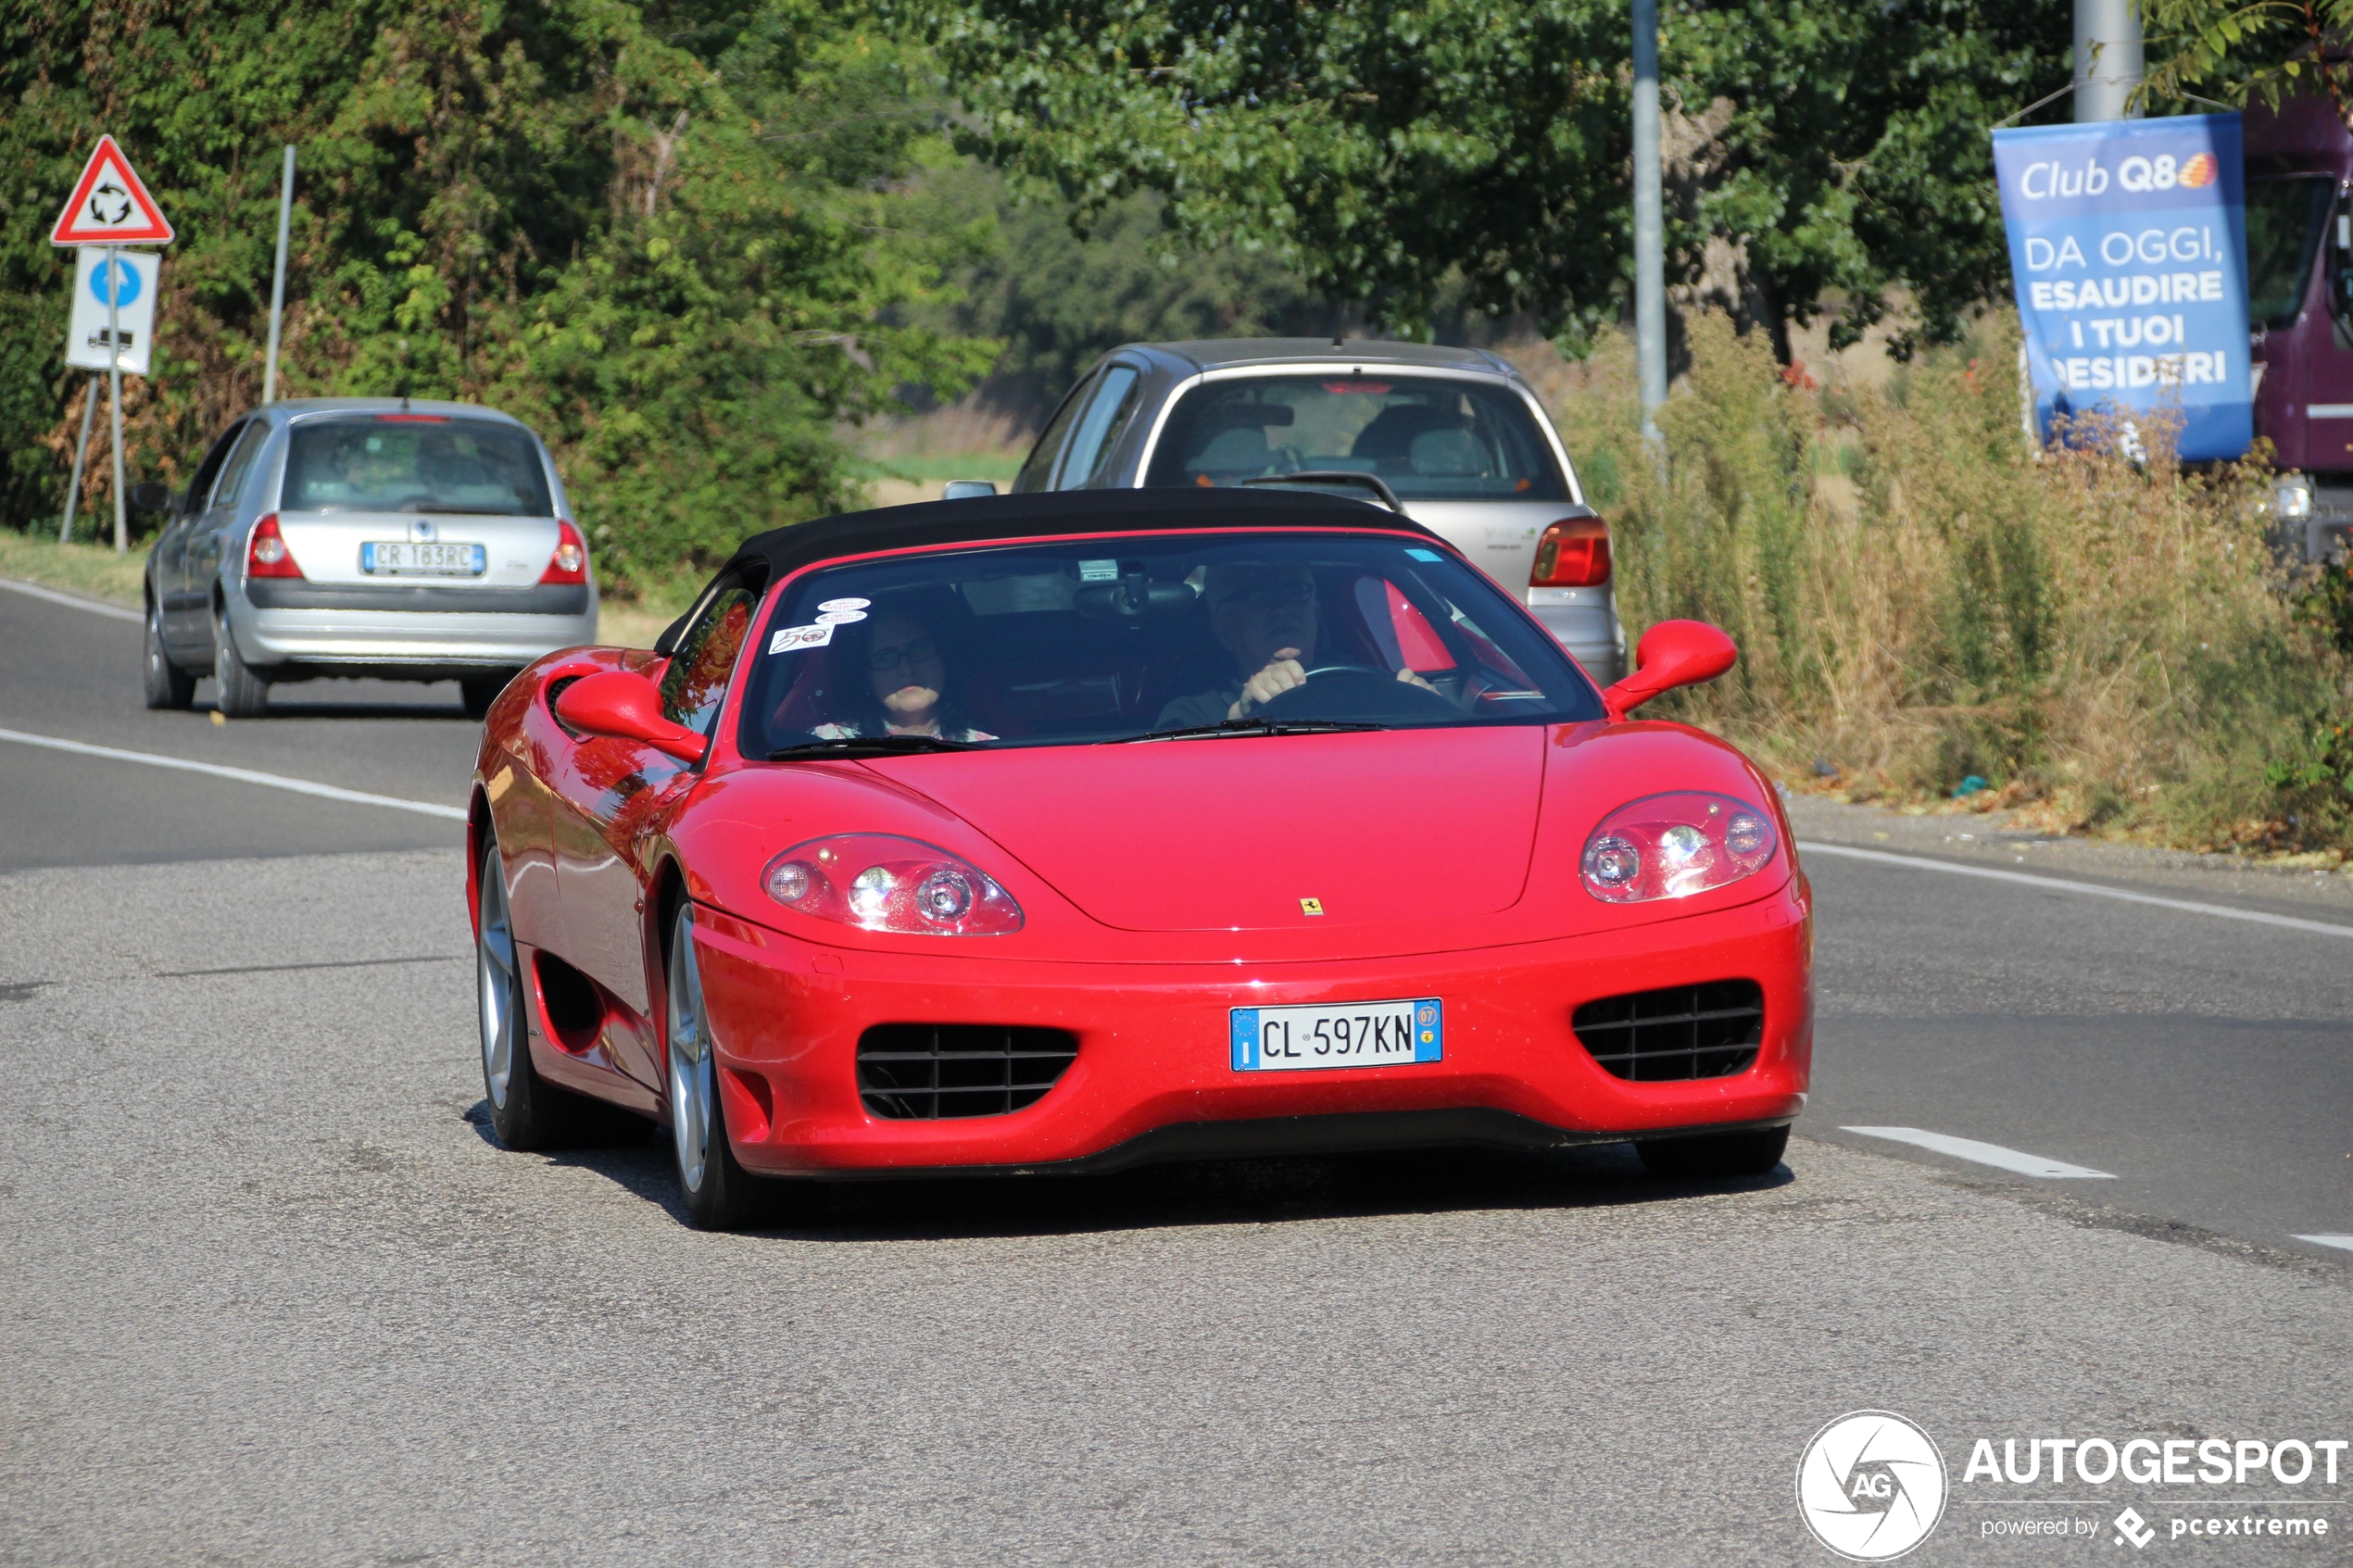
(1355, 691)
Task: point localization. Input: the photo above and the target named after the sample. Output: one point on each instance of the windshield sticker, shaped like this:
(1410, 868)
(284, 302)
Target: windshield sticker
(796, 637)
(847, 604)
(1099, 572)
(841, 617)
(1431, 555)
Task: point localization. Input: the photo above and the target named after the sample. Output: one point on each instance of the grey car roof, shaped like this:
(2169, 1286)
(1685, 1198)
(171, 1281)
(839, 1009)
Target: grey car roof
(1213, 354)
(290, 408)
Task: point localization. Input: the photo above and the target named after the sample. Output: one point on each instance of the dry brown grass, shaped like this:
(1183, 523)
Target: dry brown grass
(1920, 597)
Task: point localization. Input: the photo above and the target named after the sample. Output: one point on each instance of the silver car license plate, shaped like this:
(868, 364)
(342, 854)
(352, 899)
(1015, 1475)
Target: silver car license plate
(1341, 1035)
(395, 558)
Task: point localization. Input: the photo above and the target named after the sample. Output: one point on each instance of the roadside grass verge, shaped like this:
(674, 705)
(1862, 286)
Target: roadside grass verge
(91, 570)
(1923, 601)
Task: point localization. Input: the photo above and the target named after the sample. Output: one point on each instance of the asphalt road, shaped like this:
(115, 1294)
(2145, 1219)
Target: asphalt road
(73, 674)
(271, 1294)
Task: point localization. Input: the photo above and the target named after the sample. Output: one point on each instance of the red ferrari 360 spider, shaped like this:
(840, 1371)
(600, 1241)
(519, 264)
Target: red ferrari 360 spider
(1058, 833)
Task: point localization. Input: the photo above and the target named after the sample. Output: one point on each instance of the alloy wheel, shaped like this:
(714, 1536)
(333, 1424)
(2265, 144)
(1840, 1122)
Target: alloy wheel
(500, 984)
(692, 1077)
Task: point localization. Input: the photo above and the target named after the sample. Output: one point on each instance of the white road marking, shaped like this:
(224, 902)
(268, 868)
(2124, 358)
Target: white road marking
(2343, 1241)
(1982, 1153)
(2222, 911)
(242, 775)
(34, 590)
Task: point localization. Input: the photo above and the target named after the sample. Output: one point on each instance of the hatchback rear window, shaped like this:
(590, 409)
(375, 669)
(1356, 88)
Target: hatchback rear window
(1429, 438)
(415, 463)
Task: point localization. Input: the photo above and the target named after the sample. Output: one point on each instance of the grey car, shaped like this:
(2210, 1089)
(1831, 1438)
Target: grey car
(1453, 437)
(364, 536)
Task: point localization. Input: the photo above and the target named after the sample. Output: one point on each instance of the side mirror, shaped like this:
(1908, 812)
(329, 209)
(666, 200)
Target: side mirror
(1671, 653)
(150, 497)
(968, 489)
(626, 707)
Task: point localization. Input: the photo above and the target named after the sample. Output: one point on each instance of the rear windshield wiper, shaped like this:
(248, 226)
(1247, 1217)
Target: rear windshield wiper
(1258, 727)
(869, 746)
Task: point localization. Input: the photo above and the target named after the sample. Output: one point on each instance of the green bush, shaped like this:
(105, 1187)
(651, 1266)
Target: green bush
(1921, 595)
(672, 236)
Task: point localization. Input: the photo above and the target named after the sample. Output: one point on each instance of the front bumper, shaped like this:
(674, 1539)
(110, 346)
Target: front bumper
(323, 628)
(1153, 1076)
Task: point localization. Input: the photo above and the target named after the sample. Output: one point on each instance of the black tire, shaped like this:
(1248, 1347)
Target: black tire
(526, 1111)
(244, 694)
(478, 692)
(1713, 1156)
(167, 684)
(719, 1193)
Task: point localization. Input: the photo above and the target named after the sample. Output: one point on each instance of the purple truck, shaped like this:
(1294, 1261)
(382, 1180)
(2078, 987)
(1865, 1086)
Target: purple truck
(2299, 283)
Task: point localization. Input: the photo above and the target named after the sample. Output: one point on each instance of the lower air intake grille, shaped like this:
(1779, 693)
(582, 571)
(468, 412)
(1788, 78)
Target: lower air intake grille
(924, 1072)
(1709, 1031)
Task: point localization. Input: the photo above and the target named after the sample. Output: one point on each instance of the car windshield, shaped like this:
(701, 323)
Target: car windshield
(2284, 219)
(1180, 639)
(414, 463)
(1429, 438)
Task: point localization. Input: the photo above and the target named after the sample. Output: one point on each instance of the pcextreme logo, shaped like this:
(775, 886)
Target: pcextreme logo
(1871, 1486)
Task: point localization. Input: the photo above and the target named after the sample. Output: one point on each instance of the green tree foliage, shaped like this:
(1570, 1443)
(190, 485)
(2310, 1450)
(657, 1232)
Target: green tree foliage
(1058, 299)
(2253, 52)
(671, 236)
(1379, 148)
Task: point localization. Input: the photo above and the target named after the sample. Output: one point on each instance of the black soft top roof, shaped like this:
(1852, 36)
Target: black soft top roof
(986, 518)
(763, 558)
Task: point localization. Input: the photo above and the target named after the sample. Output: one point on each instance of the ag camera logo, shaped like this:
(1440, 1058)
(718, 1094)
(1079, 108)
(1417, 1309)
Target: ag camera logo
(1871, 1486)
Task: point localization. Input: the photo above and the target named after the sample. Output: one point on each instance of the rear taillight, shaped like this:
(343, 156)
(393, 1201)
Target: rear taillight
(266, 552)
(570, 563)
(1574, 553)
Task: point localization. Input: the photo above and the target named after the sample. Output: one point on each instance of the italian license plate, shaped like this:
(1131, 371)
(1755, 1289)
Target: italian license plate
(406, 557)
(1342, 1035)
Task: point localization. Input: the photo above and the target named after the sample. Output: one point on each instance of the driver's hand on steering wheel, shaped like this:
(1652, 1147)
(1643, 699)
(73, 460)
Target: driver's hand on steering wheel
(1412, 679)
(1282, 672)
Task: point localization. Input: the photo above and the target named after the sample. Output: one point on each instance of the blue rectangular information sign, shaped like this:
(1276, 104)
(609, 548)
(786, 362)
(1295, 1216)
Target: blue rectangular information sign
(2128, 245)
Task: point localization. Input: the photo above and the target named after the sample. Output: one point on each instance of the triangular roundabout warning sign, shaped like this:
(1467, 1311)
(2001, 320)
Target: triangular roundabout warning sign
(109, 206)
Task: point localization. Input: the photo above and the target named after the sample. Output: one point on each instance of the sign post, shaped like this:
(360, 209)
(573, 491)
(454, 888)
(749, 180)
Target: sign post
(2128, 244)
(110, 208)
(81, 451)
(278, 283)
(114, 389)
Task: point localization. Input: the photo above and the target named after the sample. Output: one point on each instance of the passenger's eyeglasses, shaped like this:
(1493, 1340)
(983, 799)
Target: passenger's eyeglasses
(884, 660)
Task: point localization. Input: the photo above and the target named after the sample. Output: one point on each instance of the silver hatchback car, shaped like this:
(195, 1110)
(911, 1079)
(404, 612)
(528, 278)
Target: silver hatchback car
(1452, 437)
(409, 541)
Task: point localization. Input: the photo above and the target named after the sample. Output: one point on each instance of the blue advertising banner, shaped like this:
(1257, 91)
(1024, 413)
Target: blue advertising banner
(2128, 243)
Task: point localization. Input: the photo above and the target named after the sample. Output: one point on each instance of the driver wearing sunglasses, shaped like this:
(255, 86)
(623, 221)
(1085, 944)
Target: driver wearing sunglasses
(1266, 616)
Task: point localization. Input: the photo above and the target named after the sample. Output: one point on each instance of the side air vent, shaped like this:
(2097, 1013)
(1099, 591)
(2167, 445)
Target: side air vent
(1683, 1032)
(925, 1072)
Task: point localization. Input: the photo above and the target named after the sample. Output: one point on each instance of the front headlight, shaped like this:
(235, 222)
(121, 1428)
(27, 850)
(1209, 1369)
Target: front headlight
(1675, 845)
(880, 882)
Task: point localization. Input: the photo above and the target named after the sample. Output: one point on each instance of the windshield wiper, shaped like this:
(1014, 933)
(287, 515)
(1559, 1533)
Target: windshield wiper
(448, 508)
(1257, 727)
(869, 746)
